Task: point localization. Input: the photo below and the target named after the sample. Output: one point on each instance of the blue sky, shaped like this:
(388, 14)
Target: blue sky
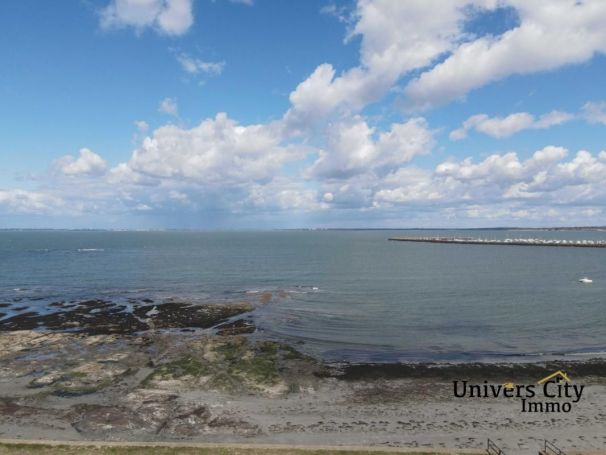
(269, 114)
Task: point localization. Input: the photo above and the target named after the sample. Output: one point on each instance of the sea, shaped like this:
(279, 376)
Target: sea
(343, 295)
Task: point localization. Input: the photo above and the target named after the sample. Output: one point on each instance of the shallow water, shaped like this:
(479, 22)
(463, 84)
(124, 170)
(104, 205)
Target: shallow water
(349, 294)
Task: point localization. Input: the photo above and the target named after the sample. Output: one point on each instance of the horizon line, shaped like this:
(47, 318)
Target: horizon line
(494, 228)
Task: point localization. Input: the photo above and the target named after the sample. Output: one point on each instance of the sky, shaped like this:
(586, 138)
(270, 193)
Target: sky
(262, 114)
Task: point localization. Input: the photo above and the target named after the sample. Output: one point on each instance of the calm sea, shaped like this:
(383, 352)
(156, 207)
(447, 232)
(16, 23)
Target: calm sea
(348, 295)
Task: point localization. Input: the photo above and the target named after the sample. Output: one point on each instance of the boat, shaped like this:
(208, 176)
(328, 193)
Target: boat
(585, 280)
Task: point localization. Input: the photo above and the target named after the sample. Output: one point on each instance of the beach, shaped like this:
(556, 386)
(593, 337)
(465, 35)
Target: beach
(313, 227)
(201, 376)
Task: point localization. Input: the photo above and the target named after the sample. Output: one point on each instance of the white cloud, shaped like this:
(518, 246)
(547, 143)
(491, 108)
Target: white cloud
(225, 167)
(501, 182)
(21, 201)
(284, 194)
(176, 17)
(595, 112)
(217, 151)
(170, 17)
(168, 106)
(401, 37)
(501, 169)
(195, 66)
(397, 37)
(501, 186)
(87, 163)
(408, 185)
(551, 34)
(542, 175)
(141, 125)
(352, 149)
(343, 13)
(500, 127)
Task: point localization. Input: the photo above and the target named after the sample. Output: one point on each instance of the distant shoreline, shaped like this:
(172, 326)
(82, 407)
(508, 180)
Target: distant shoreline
(502, 228)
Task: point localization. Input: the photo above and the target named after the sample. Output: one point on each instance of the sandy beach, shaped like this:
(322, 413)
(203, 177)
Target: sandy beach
(179, 384)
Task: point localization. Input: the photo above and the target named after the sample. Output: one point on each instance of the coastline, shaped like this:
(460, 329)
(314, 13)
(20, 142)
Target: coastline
(107, 379)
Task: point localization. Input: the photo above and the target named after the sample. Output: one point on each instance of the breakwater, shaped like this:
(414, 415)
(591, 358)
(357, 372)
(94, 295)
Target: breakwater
(513, 242)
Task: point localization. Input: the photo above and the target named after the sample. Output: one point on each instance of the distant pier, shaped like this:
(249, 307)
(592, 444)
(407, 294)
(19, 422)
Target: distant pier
(514, 242)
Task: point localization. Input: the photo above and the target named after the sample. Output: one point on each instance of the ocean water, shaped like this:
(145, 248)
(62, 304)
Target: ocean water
(348, 295)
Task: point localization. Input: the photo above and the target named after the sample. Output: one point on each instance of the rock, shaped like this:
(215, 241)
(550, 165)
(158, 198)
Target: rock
(265, 297)
(239, 327)
(231, 424)
(92, 316)
(89, 378)
(187, 421)
(235, 364)
(45, 380)
(97, 371)
(21, 340)
(154, 407)
(99, 317)
(185, 314)
(107, 422)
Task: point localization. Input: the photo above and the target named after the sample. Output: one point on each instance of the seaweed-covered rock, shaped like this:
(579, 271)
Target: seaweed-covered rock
(239, 327)
(185, 314)
(235, 364)
(91, 316)
(89, 377)
(100, 317)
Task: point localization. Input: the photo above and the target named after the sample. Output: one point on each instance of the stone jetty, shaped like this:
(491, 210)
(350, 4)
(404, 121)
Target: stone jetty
(515, 242)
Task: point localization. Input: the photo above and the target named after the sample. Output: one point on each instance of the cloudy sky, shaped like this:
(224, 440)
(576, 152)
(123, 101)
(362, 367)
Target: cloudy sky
(233, 114)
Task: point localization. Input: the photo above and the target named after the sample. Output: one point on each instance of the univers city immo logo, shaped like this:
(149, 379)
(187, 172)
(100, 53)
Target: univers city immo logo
(553, 393)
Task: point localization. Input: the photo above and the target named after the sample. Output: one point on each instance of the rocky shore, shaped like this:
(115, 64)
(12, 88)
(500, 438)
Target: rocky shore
(174, 371)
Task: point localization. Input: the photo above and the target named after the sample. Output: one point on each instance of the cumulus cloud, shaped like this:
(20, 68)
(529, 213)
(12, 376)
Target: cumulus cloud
(21, 201)
(500, 127)
(397, 37)
(351, 147)
(284, 194)
(218, 150)
(501, 186)
(353, 166)
(169, 106)
(194, 65)
(551, 34)
(401, 37)
(222, 166)
(543, 176)
(169, 17)
(408, 185)
(87, 163)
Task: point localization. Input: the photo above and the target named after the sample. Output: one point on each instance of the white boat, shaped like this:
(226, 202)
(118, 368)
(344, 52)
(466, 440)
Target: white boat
(585, 280)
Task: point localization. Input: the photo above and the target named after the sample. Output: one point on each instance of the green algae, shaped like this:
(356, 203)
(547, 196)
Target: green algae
(233, 364)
